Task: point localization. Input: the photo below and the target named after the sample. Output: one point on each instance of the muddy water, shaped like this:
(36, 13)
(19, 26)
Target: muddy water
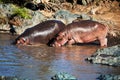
(43, 62)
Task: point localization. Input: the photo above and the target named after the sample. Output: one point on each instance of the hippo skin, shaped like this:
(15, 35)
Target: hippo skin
(43, 33)
(84, 31)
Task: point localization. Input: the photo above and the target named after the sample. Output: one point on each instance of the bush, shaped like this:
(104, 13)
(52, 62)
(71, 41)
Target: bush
(22, 12)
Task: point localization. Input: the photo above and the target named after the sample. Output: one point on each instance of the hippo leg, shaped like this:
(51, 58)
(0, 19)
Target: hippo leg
(59, 43)
(103, 41)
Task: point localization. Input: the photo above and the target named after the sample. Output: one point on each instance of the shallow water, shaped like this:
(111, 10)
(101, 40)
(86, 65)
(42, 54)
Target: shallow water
(43, 62)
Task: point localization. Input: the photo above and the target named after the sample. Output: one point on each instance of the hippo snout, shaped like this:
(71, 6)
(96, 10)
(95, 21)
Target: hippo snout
(22, 40)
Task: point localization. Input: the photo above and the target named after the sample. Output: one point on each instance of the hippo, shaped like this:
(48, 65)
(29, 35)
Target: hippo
(42, 33)
(84, 31)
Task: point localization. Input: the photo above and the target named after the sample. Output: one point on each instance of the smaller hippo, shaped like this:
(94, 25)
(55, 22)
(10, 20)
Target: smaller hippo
(43, 33)
(84, 31)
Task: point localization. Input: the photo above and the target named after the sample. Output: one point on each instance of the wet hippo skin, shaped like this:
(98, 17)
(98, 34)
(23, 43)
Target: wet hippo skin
(43, 33)
(82, 32)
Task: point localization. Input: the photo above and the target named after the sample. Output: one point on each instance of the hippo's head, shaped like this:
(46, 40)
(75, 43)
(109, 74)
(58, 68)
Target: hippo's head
(21, 40)
(60, 40)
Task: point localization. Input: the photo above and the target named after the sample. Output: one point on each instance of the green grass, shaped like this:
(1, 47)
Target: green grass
(22, 12)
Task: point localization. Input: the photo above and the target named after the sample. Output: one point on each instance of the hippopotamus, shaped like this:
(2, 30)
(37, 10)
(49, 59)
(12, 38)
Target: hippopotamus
(84, 31)
(42, 33)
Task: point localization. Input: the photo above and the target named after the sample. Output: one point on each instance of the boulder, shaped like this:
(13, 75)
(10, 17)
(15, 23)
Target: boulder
(63, 76)
(109, 77)
(107, 56)
(65, 16)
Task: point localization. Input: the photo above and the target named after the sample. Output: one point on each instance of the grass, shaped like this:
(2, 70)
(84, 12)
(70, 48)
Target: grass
(22, 12)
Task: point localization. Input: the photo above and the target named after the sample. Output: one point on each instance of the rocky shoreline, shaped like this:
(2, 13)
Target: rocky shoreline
(106, 56)
(109, 77)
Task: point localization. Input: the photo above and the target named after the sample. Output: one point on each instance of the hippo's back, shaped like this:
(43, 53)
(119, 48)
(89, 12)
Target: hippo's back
(42, 32)
(84, 26)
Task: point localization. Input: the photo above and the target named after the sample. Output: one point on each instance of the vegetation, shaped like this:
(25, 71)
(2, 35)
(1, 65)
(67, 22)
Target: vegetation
(22, 12)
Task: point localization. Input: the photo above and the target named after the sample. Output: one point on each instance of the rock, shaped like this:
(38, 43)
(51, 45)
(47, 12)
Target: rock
(108, 56)
(37, 17)
(109, 77)
(83, 16)
(11, 78)
(7, 10)
(63, 76)
(31, 6)
(85, 2)
(36, 1)
(8, 78)
(65, 16)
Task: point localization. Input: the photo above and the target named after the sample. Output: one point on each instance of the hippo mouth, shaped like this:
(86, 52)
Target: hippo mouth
(23, 41)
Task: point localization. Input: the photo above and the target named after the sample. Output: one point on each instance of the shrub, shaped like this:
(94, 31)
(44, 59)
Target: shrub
(22, 12)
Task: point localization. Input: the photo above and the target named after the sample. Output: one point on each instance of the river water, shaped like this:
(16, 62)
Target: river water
(43, 62)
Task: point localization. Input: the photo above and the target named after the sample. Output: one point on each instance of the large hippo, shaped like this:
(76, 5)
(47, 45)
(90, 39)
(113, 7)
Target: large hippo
(84, 31)
(43, 33)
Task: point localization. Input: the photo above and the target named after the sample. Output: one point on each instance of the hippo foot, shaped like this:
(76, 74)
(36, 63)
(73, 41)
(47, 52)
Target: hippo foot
(103, 42)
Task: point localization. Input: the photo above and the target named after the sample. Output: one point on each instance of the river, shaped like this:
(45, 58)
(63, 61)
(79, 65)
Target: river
(43, 62)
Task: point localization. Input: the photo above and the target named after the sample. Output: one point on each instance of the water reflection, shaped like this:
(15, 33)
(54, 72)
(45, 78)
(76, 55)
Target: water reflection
(42, 62)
